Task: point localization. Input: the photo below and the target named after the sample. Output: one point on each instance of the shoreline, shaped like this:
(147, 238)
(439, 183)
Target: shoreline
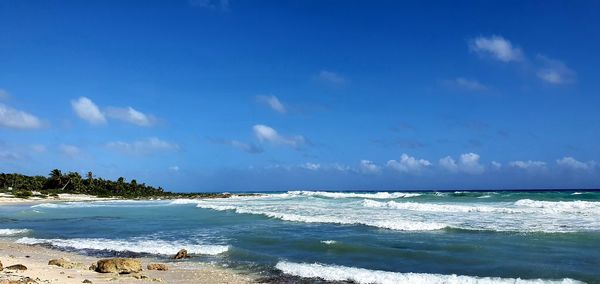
(36, 258)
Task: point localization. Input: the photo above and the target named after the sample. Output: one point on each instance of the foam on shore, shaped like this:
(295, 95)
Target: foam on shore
(367, 276)
(373, 195)
(136, 246)
(13, 232)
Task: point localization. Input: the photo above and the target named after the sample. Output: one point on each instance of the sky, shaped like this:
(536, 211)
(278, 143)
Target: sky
(232, 95)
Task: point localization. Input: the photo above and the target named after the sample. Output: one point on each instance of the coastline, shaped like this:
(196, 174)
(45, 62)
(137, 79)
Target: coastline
(36, 258)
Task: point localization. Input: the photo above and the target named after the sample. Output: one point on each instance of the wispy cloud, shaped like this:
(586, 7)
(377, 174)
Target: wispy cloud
(70, 151)
(331, 78)
(497, 48)
(528, 165)
(267, 134)
(130, 115)
(221, 5)
(467, 163)
(17, 119)
(87, 110)
(311, 166)
(555, 71)
(572, 163)
(408, 164)
(466, 84)
(145, 146)
(273, 102)
(246, 147)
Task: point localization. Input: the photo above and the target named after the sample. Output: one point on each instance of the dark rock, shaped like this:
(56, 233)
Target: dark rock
(17, 267)
(181, 254)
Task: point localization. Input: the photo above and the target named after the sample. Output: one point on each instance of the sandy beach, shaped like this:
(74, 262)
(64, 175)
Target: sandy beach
(63, 197)
(36, 258)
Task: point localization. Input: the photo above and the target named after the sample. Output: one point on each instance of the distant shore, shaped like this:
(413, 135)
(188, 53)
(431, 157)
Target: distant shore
(35, 259)
(6, 199)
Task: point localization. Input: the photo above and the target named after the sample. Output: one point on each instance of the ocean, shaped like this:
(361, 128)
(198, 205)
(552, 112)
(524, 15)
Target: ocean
(359, 237)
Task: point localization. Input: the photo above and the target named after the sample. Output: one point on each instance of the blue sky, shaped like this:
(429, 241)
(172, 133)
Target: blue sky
(207, 95)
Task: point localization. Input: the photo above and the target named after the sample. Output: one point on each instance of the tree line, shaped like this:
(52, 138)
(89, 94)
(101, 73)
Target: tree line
(73, 182)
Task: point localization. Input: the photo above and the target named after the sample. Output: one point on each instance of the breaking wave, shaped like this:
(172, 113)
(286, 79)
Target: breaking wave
(367, 276)
(395, 224)
(136, 246)
(374, 195)
(13, 232)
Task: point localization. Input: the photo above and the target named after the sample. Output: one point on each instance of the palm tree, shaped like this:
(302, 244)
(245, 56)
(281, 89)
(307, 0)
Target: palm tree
(56, 178)
(90, 179)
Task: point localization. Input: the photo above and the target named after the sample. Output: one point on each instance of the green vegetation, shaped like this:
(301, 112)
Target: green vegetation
(72, 182)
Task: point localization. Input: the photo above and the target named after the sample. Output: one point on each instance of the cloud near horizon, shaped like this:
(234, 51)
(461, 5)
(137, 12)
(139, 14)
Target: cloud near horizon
(408, 164)
(467, 163)
(145, 146)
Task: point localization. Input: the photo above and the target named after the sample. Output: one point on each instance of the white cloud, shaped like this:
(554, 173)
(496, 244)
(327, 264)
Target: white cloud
(131, 115)
(88, 111)
(408, 164)
(13, 118)
(572, 163)
(497, 47)
(496, 165)
(467, 84)
(467, 163)
(368, 167)
(266, 133)
(311, 166)
(70, 151)
(555, 71)
(449, 164)
(273, 102)
(331, 78)
(528, 165)
(174, 168)
(145, 146)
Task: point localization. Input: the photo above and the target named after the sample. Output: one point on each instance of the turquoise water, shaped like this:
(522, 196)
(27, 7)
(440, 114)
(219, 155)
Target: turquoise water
(381, 237)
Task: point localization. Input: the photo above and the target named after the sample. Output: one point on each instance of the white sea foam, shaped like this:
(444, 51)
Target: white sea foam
(329, 242)
(395, 224)
(366, 276)
(13, 232)
(183, 201)
(374, 195)
(137, 246)
(431, 207)
(577, 206)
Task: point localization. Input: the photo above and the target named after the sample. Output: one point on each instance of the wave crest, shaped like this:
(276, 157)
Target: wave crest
(374, 195)
(160, 247)
(366, 276)
(13, 232)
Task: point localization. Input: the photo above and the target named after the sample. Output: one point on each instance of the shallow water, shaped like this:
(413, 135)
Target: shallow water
(380, 237)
